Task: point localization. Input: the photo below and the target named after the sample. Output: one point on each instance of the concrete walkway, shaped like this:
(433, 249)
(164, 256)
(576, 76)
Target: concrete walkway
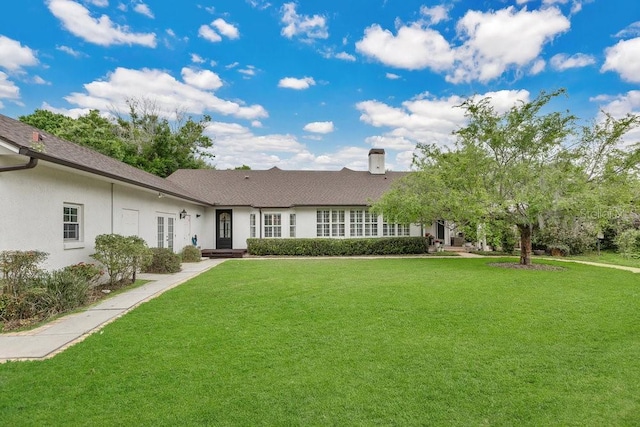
(50, 339)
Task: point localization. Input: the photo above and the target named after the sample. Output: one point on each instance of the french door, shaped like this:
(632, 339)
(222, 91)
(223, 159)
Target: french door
(166, 231)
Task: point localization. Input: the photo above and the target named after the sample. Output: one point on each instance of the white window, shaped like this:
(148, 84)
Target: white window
(391, 230)
(252, 225)
(363, 223)
(72, 222)
(273, 225)
(323, 225)
(330, 223)
(356, 228)
(404, 230)
(292, 225)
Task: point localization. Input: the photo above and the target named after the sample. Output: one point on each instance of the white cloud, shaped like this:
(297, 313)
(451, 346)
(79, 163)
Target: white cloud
(40, 81)
(306, 27)
(624, 59)
(392, 76)
(538, 66)
(101, 31)
(70, 51)
(99, 3)
(14, 56)
(413, 48)
(619, 106)
(259, 4)
(8, 89)
(435, 14)
(226, 29)
(345, 56)
(217, 29)
(197, 59)
(425, 118)
(249, 71)
(563, 62)
(208, 33)
(633, 30)
(72, 112)
(489, 43)
(495, 41)
(204, 79)
(143, 9)
(319, 127)
(167, 93)
(298, 84)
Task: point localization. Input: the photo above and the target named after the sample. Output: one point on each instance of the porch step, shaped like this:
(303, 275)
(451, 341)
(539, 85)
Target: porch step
(223, 253)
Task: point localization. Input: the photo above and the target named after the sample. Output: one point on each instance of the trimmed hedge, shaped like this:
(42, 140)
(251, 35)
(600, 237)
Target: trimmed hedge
(163, 261)
(337, 247)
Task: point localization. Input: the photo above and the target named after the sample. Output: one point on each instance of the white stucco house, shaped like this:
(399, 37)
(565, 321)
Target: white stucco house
(57, 196)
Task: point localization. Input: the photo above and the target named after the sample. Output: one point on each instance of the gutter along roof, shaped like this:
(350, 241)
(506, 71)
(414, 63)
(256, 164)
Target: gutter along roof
(56, 150)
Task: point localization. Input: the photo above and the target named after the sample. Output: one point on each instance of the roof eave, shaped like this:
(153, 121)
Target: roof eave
(42, 156)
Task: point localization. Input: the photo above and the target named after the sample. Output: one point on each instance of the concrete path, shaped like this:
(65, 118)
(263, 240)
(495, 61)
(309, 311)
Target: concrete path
(597, 264)
(54, 337)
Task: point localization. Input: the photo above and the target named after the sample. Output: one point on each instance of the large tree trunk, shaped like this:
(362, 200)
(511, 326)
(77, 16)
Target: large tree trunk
(525, 244)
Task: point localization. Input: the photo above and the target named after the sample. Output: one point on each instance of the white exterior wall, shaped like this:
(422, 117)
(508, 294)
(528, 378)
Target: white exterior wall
(306, 224)
(32, 207)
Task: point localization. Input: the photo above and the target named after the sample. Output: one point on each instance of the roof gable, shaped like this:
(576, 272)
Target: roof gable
(52, 149)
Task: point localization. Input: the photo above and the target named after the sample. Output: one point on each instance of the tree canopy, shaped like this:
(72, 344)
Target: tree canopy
(141, 138)
(521, 168)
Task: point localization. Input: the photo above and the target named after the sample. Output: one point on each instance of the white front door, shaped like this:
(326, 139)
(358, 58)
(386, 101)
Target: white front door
(166, 231)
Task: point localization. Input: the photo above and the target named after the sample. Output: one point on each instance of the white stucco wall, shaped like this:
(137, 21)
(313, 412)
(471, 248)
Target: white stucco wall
(306, 224)
(31, 205)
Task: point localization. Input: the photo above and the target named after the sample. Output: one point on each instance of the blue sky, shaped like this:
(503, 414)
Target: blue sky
(316, 84)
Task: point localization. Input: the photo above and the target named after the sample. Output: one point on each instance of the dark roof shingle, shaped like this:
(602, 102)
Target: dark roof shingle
(53, 149)
(276, 188)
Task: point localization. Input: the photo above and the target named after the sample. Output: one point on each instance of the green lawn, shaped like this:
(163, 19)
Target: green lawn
(608, 257)
(353, 342)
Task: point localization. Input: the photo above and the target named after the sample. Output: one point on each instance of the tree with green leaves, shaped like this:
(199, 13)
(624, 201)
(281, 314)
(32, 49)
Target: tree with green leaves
(517, 168)
(141, 139)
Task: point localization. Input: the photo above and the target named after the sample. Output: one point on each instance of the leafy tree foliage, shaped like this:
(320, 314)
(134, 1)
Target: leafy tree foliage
(521, 168)
(141, 139)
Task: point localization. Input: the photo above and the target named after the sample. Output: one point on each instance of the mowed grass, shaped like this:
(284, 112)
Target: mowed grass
(353, 342)
(608, 257)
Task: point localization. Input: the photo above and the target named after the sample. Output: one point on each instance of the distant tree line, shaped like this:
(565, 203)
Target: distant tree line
(141, 138)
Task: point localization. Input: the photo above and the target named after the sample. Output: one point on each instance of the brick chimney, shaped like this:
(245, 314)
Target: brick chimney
(376, 161)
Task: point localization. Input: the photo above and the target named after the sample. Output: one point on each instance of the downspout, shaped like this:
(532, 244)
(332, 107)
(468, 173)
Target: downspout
(32, 164)
(112, 213)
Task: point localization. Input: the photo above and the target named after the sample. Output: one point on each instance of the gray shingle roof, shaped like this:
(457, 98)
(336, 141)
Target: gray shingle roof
(276, 188)
(59, 151)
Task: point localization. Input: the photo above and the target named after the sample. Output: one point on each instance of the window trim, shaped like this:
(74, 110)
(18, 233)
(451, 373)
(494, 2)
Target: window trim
(73, 243)
(272, 227)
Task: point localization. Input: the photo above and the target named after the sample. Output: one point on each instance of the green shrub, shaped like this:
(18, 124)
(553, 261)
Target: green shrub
(163, 261)
(121, 256)
(19, 269)
(628, 243)
(89, 272)
(66, 289)
(558, 249)
(191, 254)
(27, 305)
(337, 247)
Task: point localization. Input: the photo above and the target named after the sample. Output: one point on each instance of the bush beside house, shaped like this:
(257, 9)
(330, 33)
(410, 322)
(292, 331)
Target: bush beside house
(337, 247)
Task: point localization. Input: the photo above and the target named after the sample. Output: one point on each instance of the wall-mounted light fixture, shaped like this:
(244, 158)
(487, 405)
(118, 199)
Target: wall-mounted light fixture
(198, 215)
(183, 214)
(160, 195)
